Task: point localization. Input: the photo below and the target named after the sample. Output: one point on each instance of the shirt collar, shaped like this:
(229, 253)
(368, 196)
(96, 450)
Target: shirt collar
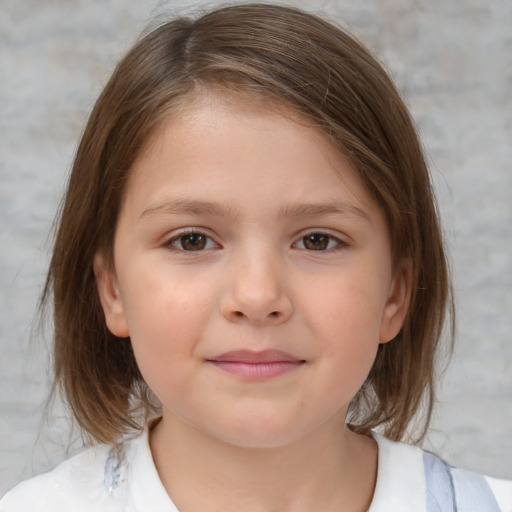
(400, 478)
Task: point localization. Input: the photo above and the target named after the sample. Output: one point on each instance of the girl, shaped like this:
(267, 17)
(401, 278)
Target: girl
(249, 282)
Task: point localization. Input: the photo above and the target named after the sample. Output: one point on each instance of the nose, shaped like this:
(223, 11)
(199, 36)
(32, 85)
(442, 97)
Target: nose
(257, 293)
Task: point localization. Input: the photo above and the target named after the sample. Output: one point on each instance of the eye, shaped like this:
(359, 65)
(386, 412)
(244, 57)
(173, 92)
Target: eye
(318, 242)
(191, 241)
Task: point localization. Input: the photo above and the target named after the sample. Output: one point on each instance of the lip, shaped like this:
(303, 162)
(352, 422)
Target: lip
(256, 365)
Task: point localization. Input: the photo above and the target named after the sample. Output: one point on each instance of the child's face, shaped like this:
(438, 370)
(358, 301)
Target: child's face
(255, 284)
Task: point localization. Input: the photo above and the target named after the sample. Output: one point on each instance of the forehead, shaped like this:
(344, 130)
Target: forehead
(215, 103)
(215, 145)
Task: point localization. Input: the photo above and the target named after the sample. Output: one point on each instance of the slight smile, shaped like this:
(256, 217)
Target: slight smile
(252, 365)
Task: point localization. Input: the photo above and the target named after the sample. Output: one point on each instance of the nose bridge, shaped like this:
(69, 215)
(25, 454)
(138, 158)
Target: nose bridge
(258, 291)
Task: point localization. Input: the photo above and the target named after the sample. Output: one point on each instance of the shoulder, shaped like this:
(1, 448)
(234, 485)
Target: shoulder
(104, 478)
(502, 489)
(409, 477)
(74, 485)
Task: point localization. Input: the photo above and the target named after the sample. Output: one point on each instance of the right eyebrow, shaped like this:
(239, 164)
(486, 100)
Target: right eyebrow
(187, 207)
(329, 208)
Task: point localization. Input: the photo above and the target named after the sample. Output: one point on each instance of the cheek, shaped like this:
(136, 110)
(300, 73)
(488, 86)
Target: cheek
(166, 317)
(345, 318)
(347, 312)
(156, 297)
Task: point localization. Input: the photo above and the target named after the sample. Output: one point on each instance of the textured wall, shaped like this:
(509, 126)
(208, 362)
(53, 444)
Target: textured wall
(453, 61)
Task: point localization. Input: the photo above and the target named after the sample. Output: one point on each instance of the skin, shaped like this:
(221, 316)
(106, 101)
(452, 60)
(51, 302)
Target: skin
(240, 176)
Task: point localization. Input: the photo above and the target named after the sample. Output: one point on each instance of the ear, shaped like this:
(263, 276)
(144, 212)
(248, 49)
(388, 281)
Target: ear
(110, 298)
(397, 304)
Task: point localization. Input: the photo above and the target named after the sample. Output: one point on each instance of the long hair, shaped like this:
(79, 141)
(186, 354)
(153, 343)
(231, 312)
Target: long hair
(299, 63)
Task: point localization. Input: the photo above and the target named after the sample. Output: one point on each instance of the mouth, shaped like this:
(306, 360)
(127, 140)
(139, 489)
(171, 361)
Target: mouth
(256, 365)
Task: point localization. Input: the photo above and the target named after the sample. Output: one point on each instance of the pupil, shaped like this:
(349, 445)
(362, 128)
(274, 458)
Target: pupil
(193, 242)
(316, 242)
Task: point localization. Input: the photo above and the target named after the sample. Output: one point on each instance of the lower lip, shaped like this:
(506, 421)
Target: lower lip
(257, 371)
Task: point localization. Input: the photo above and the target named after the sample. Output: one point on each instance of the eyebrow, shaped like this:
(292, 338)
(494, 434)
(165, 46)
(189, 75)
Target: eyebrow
(331, 208)
(195, 207)
(188, 207)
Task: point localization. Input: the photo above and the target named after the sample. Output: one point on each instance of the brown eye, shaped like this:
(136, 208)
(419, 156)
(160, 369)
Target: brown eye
(319, 242)
(193, 241)
(316, 242)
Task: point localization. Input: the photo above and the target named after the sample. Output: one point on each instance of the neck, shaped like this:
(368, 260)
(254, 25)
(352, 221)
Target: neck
(330, 469)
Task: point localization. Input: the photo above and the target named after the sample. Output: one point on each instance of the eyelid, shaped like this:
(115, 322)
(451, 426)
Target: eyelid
(177, 234)
(338, 237)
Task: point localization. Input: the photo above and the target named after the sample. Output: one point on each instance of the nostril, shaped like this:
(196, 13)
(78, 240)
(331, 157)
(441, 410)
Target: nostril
(274, 314)
(238, 314)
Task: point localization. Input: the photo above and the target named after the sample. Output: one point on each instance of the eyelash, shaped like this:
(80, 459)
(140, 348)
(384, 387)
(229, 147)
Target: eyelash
(176, 238)
(331, 238)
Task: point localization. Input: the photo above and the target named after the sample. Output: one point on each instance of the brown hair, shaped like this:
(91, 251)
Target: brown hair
(309, 67)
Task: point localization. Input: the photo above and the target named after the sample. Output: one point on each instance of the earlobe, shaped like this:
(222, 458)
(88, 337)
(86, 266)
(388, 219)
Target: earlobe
(397, 304)
(110, 297)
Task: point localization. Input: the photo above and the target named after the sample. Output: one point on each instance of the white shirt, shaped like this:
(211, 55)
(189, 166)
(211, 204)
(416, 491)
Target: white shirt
(106, 479)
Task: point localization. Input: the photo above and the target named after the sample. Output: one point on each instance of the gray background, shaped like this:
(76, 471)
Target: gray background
(452, 59)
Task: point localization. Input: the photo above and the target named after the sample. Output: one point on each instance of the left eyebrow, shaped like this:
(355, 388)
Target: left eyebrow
(187, 207)
(315, 209)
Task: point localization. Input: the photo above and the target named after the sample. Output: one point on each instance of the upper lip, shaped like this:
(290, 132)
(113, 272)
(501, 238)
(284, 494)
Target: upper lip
(255, 357)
